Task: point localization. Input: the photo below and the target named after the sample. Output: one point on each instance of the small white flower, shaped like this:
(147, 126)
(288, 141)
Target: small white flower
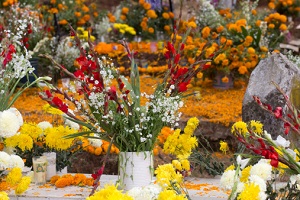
(44, 124)
(242, 162)
(95, 142)
(282, 142)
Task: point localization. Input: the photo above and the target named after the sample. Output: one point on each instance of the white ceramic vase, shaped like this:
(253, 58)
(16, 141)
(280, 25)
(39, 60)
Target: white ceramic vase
(135, 169)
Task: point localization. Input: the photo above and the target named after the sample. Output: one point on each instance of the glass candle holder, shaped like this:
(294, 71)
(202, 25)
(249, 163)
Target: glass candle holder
(39, 164)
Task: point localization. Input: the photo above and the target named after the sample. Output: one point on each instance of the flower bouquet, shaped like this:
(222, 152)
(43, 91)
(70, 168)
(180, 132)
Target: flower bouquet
(110, 105)
(276, 157)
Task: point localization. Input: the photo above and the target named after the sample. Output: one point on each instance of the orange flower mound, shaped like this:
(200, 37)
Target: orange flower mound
(68, 179)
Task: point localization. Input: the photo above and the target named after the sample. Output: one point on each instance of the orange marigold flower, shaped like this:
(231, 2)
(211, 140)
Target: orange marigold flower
(220, 29)
(257, 23)
(53, 11)
(86, 17)
(151, 14)
(151, 30)
(253, 12)
(95, 14)
(85, 9)
(192, 24)
(53, 1)
(123, 17)
(271, 26)
(125, 10)
(166, 15)
(81, 22)
(77, 14)
(251, 50)
(62, 22)
(271, 5)
(171, 15)
(283, 18)
(54, 179)
(141, 2)
(78, 178)
(98, 151)
(205, 32)
(167, 28)
(243, 69)
(225, 79)
(264, 49)
(282, 27)
(64, 182)
(143, 24)
(147, 6)
(112, 19)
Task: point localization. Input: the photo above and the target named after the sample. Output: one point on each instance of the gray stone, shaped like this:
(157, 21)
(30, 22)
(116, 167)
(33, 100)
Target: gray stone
(284, 73)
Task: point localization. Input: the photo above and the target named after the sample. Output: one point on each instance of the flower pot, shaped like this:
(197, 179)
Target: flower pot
(135, 169)
(51, 164)
(219, 84)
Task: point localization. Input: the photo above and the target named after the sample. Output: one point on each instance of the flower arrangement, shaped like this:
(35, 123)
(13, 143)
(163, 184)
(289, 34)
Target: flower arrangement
(288, 8)
(278, 156)
(36, 139)
(148, 22)
(239, 48)
(169, 177)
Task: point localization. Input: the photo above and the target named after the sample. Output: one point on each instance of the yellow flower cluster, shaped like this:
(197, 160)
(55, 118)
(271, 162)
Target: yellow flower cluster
(14, 179)
(250, 192)
(3, 195)
(109, 192)
(181, 144)
(68, 180)
(166, 175)
(124, 28)
(84, 34)
(54, 137)
(243, 128)
(170, 195)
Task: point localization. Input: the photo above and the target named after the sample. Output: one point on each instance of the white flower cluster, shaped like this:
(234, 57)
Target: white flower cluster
(95, 142)
(258, 175)
(102, 27)
(149, 192)
(66, 53)
(10, 122)
(207, 15)
(10, 161)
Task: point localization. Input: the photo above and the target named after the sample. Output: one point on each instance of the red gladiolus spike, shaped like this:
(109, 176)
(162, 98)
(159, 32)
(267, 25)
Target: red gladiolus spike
(127, 91)
(287, 127)
(177, 57)
(48, 93)
(269, 107)
(72, 33)
(121, 86)
(278, 112)
(182, 87)
(263, 145)
(98, 173)
(182, 47)
(206, 66)
(274, 163)
(167, 55)
(171, 48)
(59, 103)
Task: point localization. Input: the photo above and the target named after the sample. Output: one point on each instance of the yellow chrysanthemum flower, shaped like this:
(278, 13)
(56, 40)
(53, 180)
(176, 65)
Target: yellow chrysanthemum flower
(14, 176)
(165, 174)
(224, 147)
(170, 195)
(49, 109)
(256, 127)
(31, 129)
(23, 185)
(250, 192)
(4, 195)
(245, 174)
(109, 192)
(240, 127)
(185, 164)
(177, 164)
